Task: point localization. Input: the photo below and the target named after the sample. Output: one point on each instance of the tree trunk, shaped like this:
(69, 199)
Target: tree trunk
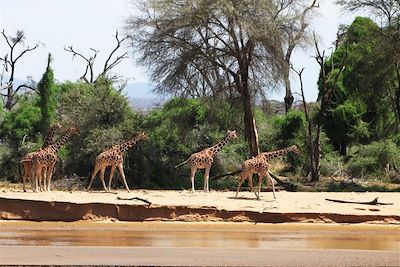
(316, 167)
(343, 149)
(10, 92)
(249, 124)
(397, 97)
(289, 99)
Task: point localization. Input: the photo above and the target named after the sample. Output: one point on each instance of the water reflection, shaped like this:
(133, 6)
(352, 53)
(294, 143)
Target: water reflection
(89, 234)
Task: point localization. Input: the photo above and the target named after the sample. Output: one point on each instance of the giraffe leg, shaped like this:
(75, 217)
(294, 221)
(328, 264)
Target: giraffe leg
(30, 176)
(24, 174)
(260, 177)
(111, 176)
(44, 178)
(102, 171)
(193, 170)
(37, 177)
(251, 185)
(121, 171)
(40, 179)
(242, 178)
(49, 175)
(95, 171)
(272, 182)
(206, 177)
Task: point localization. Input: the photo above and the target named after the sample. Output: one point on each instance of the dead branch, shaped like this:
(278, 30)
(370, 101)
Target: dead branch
(289, 186)
(10, 60)
(135, 198)
(89, 62)
(373, 202)
(216, 177)
(108, 65)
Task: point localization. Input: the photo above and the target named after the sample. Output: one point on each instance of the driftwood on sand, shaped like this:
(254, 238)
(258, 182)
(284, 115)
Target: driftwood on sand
(135, 198)
(373, 202)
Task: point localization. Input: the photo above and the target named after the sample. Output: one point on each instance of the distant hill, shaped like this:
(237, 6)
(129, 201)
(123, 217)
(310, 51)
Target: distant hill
(145, 104)
(142, 98)
(140, 90)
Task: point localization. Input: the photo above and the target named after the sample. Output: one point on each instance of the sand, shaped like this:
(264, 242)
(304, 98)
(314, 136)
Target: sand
(184, 205)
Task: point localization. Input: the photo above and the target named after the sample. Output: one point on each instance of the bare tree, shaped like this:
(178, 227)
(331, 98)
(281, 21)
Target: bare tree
(313, 131)
(9, 61)
(293, 27)
(111, 61)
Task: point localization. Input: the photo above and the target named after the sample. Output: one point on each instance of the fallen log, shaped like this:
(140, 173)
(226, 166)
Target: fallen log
(288, 186)
(135, 198)
(225, 174)
(373, 202)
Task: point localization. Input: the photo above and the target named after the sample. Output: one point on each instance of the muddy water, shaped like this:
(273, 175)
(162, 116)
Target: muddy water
(206, 235)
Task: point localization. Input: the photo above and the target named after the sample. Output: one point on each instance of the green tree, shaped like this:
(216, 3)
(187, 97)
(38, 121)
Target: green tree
(358, 109)
(103, 116)
(47, 91)
(19, 130)
(181, 127)
(387, 13)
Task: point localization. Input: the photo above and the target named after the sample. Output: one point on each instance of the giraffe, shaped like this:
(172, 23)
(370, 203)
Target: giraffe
(205, 158)
(26, 160)
(259, 165)
(44, 160)
(114, 157)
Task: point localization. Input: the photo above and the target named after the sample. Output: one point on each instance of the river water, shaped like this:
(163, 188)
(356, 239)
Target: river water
(202, 235)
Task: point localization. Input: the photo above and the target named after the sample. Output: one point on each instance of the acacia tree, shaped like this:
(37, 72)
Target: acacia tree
(9, 63)
(220, 48)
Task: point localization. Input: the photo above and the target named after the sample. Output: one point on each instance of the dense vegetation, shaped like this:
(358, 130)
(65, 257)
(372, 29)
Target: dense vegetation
(358, 109)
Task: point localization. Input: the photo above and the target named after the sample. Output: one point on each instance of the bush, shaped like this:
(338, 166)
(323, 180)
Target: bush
(285, 131)
(19, 134)
(180, 128)
(375, 159)
(331, 163)
(104, 118)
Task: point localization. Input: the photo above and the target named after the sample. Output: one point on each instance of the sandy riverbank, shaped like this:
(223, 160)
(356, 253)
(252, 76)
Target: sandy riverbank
(171, 205)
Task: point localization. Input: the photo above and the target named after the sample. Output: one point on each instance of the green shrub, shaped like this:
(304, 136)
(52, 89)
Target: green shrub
(374, 159)
(331, 163)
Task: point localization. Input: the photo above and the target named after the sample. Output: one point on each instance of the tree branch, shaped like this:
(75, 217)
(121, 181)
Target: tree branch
(108, 66)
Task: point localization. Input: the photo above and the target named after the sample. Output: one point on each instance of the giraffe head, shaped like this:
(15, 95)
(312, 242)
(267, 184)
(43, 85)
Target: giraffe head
(58, 125)
(294, 149)
(142, 136)
(232, 134)
(74, 130)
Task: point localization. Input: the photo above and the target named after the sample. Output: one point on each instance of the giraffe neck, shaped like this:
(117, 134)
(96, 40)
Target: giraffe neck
(50, 136)
(61, 141)
(128, 144)
(274, 154)
(218, 146)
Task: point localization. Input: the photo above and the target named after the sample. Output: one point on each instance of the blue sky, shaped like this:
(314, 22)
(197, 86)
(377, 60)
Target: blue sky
(92, 23)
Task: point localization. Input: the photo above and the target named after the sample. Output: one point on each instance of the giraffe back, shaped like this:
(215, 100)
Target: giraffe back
(257, 164)
(110, 157)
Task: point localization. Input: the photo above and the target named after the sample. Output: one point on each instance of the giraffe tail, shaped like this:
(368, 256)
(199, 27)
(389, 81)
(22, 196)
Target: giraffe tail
(180, 164)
